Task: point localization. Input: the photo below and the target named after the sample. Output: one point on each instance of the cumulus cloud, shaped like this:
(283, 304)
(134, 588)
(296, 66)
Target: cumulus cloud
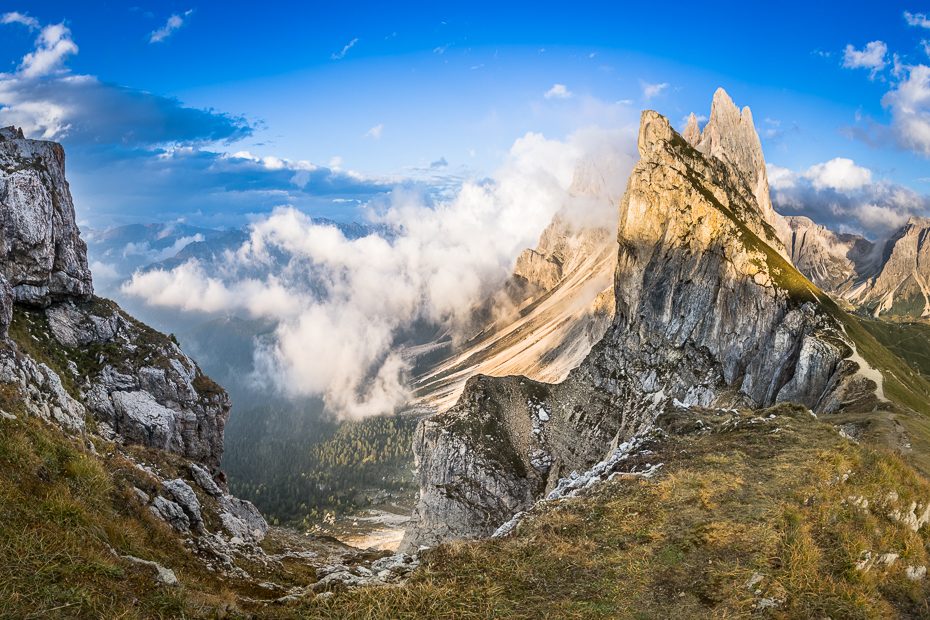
(842, 196)
(908, 100)
(374, 132)
(49, 102)
(917, 20)
(337, 332)
(53, 46)
(651, 90)
(871, 57)
(840, 174)
(19, 18)
(558, 91)
(345, 50)
(174, 22)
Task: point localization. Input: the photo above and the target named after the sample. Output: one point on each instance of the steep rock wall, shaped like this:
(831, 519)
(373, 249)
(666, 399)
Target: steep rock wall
(708, 312)
(41, 251)
(77, 354)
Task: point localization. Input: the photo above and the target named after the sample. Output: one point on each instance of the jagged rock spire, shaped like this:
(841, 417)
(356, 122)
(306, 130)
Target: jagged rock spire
(692, 132)
(731, 136)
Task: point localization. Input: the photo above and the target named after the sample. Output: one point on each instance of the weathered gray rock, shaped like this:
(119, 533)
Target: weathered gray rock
(43, 256)
(242, 519)
(6, 306)
(708, 312)
(203, 478)
(185, 497)
(74, 326)
(139, 384)
(162, 574)
(41, 389)
(172, 513)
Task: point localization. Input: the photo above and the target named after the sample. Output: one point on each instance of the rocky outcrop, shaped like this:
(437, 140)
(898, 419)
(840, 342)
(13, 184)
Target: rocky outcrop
(41, 390)
(42, 255)
(134, 381)
(708, 312)
(138, 384)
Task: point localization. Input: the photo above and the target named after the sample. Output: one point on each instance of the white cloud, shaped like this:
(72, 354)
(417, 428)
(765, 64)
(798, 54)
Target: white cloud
(558, 91)
(909, 102)
(374, 132)
(342, 54)
(336, 338)
(871, 57)
(843, 197)
(781, 178)
(19, 18)
(840, 174)
(651, 90)
(174, 22)
(917, 20)
(53, 46)
(442, 48)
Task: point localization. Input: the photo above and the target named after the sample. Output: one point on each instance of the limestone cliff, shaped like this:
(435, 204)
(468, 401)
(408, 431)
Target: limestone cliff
(79, 359)
(902, 285)
(888, 278)
(41, 252)
(832, 261)
(708, 312)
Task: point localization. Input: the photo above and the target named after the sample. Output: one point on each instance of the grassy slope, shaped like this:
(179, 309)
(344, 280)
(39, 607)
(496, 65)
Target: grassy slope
(730, 503)
(61, 505)
(909, 341)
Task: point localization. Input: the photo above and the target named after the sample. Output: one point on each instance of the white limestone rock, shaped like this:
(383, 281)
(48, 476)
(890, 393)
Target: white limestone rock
(43, 256)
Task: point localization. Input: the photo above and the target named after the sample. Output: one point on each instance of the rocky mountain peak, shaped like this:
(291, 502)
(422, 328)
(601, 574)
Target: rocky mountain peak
(11, 133)
(730, 136)
(918, 222)
(43, 256)
(692, 132)
(708, 313)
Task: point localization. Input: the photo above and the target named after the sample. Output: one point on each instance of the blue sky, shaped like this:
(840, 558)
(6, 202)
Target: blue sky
(329, 107)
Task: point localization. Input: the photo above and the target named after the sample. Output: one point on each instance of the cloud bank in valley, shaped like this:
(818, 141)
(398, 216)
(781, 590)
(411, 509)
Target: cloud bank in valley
(337, 327)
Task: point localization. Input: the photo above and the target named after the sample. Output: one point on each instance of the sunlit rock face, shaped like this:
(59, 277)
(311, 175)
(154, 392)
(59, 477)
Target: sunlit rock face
(708, 311)
(43, 256)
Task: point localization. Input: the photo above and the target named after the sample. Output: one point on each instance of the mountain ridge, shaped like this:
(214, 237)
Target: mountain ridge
(707, 313)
